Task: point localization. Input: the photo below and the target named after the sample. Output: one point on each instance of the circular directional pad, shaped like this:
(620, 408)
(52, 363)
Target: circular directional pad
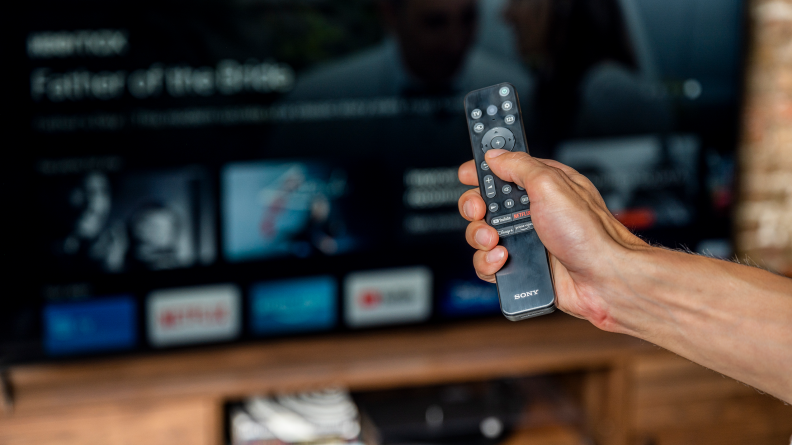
(497, 137)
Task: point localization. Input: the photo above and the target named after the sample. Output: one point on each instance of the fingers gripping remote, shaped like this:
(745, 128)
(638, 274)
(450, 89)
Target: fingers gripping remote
(525, 285)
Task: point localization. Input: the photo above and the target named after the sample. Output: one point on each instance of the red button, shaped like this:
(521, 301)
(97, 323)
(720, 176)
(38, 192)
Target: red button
(521, 215)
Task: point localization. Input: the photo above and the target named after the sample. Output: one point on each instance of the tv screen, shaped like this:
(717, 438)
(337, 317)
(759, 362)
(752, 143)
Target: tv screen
(196, 172)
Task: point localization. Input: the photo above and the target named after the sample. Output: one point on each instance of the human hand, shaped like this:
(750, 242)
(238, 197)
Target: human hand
(587, 244)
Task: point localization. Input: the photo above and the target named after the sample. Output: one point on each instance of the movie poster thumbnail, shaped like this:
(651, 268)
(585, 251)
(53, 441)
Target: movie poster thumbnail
(119, 222)
(648, 182)
(285, 209)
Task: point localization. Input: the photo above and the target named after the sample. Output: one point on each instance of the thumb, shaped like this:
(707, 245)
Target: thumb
(517, 167)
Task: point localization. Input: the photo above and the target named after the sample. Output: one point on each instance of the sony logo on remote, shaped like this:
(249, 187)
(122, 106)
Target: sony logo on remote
(526, 294)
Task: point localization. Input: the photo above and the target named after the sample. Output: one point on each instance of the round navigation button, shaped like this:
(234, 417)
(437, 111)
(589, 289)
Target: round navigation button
(509, 203)
(524, 199)
(504, 91)
(497, 137)
(475, 114)
(507, 106)
(509, 119)
(493, 207)
(484, 166)
(478, 128)
(506, 189)
(491, 110)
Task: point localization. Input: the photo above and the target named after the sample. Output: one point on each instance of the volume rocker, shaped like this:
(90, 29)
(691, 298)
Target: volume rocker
(489, 186)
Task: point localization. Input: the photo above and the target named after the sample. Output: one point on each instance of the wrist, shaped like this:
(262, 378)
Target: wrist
(646, 298)
(626, 295)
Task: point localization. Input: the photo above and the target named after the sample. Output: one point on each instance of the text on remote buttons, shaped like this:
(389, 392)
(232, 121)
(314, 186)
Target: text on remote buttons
(502, 219)
(515, 229)
(521, 215)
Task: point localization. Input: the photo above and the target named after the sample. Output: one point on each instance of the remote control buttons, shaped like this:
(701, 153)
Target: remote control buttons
(509, 203)
(492, 110)
(507, 106)
(504, 91)
(497, 137)
(478, 128)
(521, 215)
(523, 227)
(489, 186)
(515, 229)
(520, 187)
(501, 219)
(524, 199)
(506, 189)
(484, 166)
(475, 114)
(493, 207)
(509, 119)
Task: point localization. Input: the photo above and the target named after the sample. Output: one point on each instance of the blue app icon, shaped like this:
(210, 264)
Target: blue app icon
(469, 297)
(98, 325)
(296, 305)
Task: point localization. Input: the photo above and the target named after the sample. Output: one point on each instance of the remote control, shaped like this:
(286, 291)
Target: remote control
(525, 284)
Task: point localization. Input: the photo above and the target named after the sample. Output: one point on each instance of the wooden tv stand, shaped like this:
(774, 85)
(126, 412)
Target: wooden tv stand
(634, 393)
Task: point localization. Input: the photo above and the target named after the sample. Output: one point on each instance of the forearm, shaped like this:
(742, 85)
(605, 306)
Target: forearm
(734, 319)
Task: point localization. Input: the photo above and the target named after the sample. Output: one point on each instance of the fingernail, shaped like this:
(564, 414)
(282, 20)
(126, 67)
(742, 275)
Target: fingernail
(483, 237)
(490, 154)
(495, 255)
(467, 208)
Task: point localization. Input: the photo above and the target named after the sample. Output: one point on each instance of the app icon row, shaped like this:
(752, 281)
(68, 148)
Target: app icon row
(214, 313)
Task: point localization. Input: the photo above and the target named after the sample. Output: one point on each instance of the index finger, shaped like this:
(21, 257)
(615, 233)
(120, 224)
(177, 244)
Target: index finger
(467, 173)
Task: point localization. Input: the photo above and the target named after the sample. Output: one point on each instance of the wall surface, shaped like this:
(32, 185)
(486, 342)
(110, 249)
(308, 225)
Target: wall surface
(763, 223)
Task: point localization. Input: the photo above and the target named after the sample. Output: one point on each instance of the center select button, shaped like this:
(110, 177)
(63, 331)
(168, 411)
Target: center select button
(498, 142)
(501, 219)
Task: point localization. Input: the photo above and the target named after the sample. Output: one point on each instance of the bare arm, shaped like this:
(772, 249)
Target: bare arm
(731, 318)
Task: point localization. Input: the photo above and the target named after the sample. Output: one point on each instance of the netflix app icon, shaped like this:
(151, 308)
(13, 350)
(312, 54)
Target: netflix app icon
(194, 315)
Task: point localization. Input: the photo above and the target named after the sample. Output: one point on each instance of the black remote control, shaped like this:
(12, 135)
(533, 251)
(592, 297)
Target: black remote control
(525, 284)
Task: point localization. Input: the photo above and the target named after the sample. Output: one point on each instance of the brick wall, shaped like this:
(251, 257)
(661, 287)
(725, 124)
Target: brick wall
(763, 223)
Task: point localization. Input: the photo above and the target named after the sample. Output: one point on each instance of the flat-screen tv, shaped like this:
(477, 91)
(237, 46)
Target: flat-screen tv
(185, 173)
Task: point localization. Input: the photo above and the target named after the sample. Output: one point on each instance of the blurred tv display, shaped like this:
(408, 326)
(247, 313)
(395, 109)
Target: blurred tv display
(199, 172)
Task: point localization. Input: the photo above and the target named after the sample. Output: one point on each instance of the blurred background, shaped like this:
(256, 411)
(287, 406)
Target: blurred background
(214, 209)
